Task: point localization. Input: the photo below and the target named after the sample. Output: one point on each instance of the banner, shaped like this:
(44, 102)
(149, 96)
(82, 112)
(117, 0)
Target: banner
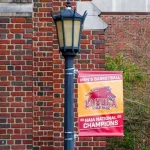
(100, 103)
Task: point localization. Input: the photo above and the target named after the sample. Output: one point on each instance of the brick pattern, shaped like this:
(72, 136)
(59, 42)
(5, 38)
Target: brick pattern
(32, 77)
(91, 58)
(43, 75)
(127, 32)
(16, 83)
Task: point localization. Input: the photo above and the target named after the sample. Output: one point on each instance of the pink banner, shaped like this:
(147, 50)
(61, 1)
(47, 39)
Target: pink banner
(100, 103)
(105, 125)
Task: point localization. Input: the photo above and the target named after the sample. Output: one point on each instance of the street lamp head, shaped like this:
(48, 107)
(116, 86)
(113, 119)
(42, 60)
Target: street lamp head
(69, 26)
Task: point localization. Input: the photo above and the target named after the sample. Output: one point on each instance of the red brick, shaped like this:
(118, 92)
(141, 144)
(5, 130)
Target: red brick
(10, 36)
(4, 41)
(10, 142)
(17, 114)
(45, 9)
(4, 30)
(18, 126)
(45, 38)
(4, 83)
(4, 104)
(17, 41)
(4, 73)
(18, 136)
(17, 93)
(45, 19)
(27, 25)
(4, 147)
(27, 141)
(27, 131)
(17, 30)
(85, 148)
(17, 104)
(2, 131)
(85, 41)
(103, 143)
(29, 35)
(10, 26)
(18, 147)
(45, 29)
(2, 46)
(48, 148)
(18, 20)
(17, 25)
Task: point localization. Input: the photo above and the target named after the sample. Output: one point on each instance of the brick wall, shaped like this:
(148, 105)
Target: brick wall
(48, 68)
(91, 58)
(43, 75)
(32, 77)
(16, 83)
(48, 92)
(128, 33)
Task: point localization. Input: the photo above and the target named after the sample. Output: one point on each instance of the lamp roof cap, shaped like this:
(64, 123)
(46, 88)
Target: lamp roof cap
(69, 13)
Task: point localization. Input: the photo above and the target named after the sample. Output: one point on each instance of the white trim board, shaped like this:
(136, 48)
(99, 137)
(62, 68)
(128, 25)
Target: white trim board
(15, 1)
(92, 21)
(123, 5)
(15, 14)
(16, 7)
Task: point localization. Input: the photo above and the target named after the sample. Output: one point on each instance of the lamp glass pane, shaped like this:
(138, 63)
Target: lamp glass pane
(68, 32)
(60, 33)
(76, 32)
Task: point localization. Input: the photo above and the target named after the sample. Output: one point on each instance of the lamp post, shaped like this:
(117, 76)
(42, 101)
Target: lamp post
(69, 26)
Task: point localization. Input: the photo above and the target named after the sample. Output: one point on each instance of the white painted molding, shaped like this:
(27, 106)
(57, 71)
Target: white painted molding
(92, 21)
(15, 14)
(123, 5)
(92, 10)
(15, 7)
(15, 1)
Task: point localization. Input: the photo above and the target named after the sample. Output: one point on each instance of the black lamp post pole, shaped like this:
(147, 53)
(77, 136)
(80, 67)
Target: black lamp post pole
(69, 100)
(69, 51)
(69, 103)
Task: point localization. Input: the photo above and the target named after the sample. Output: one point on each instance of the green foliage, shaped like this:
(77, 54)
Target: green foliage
(145, 148)
(127, 142)
(136, 103)
(131, 72)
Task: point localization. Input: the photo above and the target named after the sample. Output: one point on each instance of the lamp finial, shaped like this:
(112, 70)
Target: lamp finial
(68, 3)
